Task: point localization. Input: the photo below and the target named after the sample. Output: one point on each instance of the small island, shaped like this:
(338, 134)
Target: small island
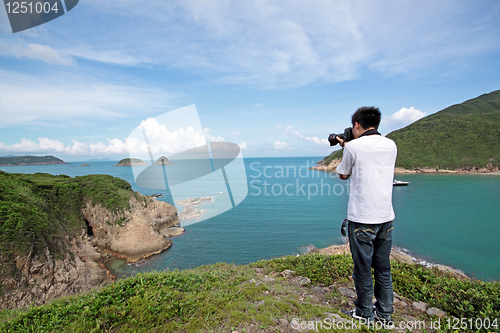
(163, 161)
(130, 162)
(30, 160)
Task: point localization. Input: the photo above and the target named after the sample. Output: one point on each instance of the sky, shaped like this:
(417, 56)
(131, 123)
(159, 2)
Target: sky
(274, 77)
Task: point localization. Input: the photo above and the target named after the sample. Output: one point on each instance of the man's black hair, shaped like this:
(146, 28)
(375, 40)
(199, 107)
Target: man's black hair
(367, 116)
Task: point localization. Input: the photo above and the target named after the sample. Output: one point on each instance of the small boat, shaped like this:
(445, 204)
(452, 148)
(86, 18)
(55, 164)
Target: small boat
(400, 183)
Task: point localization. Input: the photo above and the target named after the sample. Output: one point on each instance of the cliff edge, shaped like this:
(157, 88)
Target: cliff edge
(55, 232)
(133, 234)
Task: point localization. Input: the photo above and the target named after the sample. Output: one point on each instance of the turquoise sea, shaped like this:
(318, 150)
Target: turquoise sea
(447, 219)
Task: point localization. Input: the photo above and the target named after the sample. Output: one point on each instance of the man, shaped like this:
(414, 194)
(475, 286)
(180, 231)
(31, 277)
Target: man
(369, 161)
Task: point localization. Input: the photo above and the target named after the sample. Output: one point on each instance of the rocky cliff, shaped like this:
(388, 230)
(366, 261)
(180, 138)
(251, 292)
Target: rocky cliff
(134, 234)
(45, 274)
(329, 167)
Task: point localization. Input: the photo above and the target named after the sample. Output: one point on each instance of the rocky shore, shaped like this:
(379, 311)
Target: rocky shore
(472, 170)
(331, 167)
(397, 255)
(489, 169)
(190, 211)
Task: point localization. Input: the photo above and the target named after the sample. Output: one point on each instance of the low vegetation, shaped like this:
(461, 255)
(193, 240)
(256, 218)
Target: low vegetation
(225, 297)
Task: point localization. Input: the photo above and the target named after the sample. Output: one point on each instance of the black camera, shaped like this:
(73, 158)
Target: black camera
(347, 136)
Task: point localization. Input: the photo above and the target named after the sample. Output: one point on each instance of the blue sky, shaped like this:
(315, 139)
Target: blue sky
(275, 77)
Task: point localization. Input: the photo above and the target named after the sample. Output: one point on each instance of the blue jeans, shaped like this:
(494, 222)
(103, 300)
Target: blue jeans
(370, 246)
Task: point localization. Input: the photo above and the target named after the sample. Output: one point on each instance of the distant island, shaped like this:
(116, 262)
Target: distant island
(163, 161)
(130, 162)
(462, 138)
(30, 160)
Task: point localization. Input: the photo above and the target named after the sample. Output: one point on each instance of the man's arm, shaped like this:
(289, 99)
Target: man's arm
(342, 176)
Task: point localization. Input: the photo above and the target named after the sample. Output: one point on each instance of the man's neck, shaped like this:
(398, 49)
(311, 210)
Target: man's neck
(370, 131)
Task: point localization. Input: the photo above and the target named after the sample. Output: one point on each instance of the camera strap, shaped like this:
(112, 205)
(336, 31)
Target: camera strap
(370, 132)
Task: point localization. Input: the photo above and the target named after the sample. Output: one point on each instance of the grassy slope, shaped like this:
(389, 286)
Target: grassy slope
(40, 209)
(224, 297)
(465, 135)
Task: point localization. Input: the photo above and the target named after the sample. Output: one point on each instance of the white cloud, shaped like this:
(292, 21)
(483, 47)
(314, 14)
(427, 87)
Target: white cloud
(50, 146)
(111, 57)
(28, 98)
(258, 104)
(24, 145)
(402, 117)
(243, 146)
(237, 133)
(292, 131)
(160, 140)
(37, 52)
(318, 141)
(212, 138)
(278, 44)
(281, 145)
(166, 141)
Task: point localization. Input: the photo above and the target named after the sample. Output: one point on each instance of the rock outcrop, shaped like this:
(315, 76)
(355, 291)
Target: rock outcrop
(191, 212)
(134, 234)
(172, 232)
(44, 276)
(76, 264)
(332, 166)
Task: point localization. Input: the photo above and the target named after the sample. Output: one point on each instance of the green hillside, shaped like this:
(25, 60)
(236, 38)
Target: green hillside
(252, 298)
(462, 136)
(29, 160)
(41, 209)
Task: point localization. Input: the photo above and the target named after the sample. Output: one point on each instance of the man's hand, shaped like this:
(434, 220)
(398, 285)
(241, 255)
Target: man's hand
(341, 142)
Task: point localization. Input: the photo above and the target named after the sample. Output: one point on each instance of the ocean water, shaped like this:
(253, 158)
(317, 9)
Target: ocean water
(447, 219)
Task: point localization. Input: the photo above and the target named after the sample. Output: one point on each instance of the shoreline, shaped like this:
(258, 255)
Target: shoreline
(332, 167)
(398, 254)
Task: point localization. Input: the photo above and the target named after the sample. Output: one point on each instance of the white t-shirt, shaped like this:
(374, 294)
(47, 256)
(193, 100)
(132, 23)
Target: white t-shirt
(370, 161)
